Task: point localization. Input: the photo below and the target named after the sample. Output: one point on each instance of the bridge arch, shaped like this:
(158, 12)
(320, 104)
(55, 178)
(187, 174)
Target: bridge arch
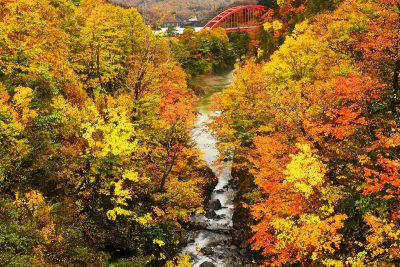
(239, 18)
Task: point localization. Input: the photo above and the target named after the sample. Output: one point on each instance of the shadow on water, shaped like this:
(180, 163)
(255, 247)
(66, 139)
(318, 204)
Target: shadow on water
(212, 84)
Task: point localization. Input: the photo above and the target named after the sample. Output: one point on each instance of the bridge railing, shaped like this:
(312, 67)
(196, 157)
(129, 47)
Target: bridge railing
(239, 17)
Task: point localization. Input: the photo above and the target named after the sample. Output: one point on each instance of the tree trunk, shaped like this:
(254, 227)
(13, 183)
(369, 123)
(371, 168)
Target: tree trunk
(396, 71)
(169, 162)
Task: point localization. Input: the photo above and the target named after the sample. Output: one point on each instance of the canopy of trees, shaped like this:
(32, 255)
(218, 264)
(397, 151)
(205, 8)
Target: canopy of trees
(316, 131)
(95, 157)
(97, 167)
(203, 52)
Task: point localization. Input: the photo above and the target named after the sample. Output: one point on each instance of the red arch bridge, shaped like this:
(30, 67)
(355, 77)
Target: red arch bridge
(238, 19)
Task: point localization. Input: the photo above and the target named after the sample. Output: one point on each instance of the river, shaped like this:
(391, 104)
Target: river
(211, 244)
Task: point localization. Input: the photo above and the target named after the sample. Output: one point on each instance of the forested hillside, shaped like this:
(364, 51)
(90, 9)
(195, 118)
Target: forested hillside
(314, 123)
(95, 157)
(98, 164)
(174, 9)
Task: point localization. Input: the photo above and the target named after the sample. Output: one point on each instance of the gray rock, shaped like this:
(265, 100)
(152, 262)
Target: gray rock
(210, 214)
(219, 217)
(243, 252)
(191, 236)
(201, 224)
(207, 264)
(206, 251)
(215, 204)
(214, 244)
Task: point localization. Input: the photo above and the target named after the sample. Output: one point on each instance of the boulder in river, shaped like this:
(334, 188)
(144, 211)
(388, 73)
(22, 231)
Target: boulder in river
(214, 204)
(243, 252)
(210, 214)
(207, 264)
(201, 225)
(219, 217)
(206, 251)
(225, 187)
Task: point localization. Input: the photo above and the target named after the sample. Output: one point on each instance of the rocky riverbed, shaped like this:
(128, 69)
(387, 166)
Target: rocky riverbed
(209, 236)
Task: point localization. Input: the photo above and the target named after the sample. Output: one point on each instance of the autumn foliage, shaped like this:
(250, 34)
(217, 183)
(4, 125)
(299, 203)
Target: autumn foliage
(316, 127)
(96, 159)
(97, 167)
